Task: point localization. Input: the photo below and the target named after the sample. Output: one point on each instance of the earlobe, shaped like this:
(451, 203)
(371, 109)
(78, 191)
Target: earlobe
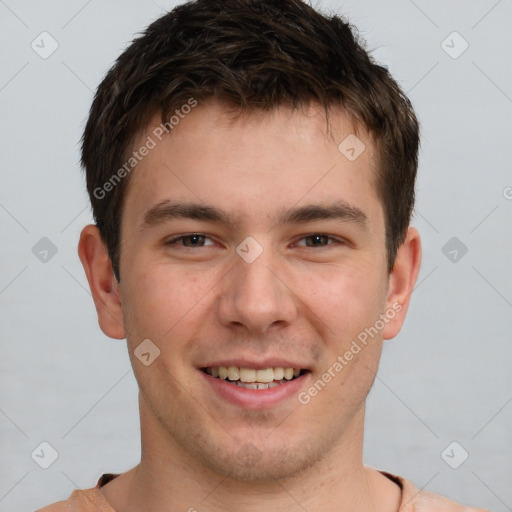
(401, 282)
(102, 282)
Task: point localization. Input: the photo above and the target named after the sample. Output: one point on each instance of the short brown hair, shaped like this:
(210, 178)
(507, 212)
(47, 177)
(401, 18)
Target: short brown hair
(253, 54)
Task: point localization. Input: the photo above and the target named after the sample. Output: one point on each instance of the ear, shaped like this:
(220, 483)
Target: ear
(401, 282)
(102, 282)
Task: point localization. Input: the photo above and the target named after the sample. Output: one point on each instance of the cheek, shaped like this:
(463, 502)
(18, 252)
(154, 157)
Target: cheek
(346, 298)
(164, 300)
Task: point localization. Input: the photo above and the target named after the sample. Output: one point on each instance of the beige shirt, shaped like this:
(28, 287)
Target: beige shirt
(413, 499)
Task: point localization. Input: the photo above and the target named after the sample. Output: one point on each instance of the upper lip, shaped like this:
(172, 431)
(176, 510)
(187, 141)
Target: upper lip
(256, 365)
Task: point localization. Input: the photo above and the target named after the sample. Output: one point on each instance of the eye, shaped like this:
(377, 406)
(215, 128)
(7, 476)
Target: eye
(191, 240)
(317, 240)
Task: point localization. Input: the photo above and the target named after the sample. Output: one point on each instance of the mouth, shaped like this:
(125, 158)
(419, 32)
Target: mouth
(251, 378)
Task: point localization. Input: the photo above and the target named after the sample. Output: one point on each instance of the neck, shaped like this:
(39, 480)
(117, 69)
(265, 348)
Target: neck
(169, 479)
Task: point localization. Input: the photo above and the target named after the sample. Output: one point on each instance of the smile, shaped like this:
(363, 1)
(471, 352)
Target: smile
(250, 378)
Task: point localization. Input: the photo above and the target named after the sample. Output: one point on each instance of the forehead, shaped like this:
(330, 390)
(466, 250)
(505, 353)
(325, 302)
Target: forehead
(256, 163)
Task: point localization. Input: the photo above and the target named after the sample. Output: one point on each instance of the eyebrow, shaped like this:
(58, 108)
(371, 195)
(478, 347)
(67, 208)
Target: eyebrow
(340, 210)
(167, 210)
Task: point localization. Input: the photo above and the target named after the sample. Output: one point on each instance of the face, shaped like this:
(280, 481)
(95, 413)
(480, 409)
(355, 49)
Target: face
(254, 247)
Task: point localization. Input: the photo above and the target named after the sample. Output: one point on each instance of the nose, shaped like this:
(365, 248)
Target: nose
(256, 296)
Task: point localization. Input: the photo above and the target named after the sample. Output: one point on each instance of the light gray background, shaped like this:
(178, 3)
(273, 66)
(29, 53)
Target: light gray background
(445, 378)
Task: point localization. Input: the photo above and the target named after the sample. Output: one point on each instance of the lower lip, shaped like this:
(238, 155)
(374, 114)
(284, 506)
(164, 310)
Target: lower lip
(254, 398)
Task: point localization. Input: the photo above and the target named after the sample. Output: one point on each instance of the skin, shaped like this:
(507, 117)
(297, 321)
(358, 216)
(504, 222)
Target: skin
(204, 303)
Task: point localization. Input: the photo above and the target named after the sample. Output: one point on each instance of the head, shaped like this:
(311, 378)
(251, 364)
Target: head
(252, 56)
(230, 119)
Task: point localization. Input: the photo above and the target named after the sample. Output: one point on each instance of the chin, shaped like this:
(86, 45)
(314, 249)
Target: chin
(256, 457)
(253, 466)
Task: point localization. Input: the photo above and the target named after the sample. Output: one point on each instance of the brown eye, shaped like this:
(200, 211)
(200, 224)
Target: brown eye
(315, 240)
(192, 240)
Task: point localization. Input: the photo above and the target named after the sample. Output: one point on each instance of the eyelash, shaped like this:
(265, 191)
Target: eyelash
(173, 241)
(333, 240)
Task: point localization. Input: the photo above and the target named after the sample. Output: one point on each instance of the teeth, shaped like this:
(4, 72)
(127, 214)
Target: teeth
(254, 379)
(233, 373)
(266, 375)
(247, 385)
(247, 375)
(257, 385)
(223, 372)
(278, 373)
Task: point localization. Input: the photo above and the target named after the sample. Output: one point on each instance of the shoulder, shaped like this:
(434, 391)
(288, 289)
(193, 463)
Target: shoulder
(416, 500)
(81, 500)
(85, 500)
(429, 502)
(61, 506)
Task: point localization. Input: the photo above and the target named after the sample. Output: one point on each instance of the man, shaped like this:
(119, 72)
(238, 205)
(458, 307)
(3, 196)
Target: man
(251, 172)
